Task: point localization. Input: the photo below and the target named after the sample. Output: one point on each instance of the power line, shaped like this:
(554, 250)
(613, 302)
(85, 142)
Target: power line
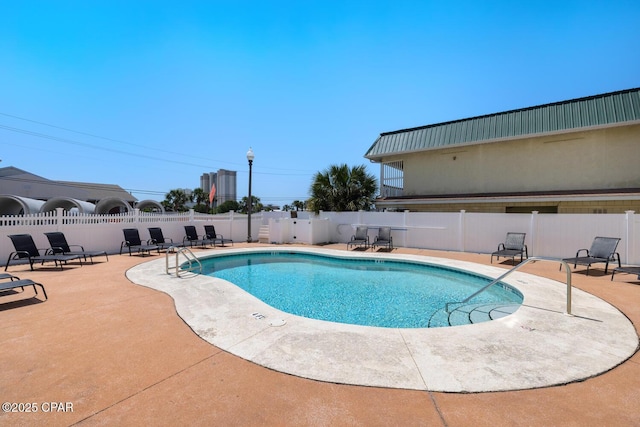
(181, 154)
(97, 136)
(73, 142)
(80, 143)
(83, 144)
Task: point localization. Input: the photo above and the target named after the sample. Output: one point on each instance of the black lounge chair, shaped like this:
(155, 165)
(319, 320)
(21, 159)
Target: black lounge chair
(629, 269)
(133, 243)
(603, 249)
(157, 238)
(360, 239)
(59, 245)
(15, 282)
(192, 238)
(513, 246)
(383, 238)
(210, 234)
(26, 249)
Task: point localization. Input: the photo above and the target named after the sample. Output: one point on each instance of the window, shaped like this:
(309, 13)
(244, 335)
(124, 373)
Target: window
(529, 209)
(392, 179)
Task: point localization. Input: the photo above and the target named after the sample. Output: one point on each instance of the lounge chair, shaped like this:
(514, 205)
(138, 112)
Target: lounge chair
(210, 234)
(157, 238)
(360, 239)
(513, 246)
(59, 245)
(15, 282)
(192, 238)
(383, 238)
(133, 243)
(629, 269)
(603, 249)
(26, 249)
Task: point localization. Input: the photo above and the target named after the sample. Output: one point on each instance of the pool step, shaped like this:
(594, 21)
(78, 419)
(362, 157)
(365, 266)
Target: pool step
(472, 313)
(263, 234)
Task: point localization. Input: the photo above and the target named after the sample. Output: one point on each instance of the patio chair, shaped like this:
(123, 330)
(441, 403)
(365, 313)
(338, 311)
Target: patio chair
(210, 234)
(513, 246)
(192, 238)
(603, 249)
(59, 245)
(158, 239)
(133, 243)
(383, 238)
(360, 239)
(629, 269)
(15, 282)
(25, 248)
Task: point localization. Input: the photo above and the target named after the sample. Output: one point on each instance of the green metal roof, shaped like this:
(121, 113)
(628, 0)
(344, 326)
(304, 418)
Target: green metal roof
(599, 110)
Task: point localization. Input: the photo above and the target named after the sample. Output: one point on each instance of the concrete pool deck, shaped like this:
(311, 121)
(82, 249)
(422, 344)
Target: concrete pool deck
(519, 351)
(121, 355)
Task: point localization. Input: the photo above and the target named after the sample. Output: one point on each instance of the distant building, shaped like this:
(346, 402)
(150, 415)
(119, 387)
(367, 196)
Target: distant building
(22, 192)
(225, 182)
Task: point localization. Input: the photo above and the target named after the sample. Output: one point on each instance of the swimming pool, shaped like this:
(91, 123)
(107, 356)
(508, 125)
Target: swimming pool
(369, 292)
(527, 349)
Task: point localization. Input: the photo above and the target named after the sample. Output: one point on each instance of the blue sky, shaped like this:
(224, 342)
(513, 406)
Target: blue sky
(148, 95)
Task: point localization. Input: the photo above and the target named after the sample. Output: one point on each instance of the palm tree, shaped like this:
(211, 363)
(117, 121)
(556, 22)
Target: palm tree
(340, 188)
(175, 200)
(256, 205)
(199, 196)
(298, 205)
(201, 199)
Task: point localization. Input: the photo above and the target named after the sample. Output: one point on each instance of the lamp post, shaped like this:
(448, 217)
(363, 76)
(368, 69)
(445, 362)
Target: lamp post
(250, 157)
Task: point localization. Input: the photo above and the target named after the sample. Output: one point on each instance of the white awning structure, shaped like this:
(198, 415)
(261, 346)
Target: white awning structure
(17, 205)
(150, 205)
(112, 205)
(68, 204)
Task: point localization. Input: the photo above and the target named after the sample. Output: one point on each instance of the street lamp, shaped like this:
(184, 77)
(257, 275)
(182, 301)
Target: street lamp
(250, 157)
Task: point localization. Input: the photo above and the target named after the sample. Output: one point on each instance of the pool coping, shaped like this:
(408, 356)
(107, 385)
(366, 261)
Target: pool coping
(537, 346)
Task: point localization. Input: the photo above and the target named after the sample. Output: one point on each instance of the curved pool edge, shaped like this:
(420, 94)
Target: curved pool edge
(537, 346)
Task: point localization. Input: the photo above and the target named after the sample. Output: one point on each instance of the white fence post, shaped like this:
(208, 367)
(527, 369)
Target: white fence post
(59, 220)
(533, 233)
(405, 233)
(630, 243)
(462, 230)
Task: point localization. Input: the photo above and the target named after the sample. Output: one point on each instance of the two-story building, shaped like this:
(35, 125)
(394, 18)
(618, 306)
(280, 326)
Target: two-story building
(575, 156)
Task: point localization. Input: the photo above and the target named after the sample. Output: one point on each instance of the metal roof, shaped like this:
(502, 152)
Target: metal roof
(607, 109)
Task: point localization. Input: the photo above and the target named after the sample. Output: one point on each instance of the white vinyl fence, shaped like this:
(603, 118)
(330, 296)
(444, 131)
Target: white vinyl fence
(104, 232)
(549, 235)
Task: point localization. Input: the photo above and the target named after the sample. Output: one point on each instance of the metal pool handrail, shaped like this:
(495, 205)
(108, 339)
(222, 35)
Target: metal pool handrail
(190, 257)
(526, 261)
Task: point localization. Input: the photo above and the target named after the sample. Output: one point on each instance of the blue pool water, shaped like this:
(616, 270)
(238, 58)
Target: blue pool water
(369, 292)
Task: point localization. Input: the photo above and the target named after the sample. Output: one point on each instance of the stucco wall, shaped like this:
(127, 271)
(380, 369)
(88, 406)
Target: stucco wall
(597, 159)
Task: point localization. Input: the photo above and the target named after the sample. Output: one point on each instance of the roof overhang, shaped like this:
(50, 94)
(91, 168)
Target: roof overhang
(576, 196)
